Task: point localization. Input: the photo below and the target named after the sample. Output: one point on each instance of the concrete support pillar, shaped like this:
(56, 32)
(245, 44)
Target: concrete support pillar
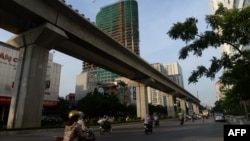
(183, 105)
(170, 106)
(27, 99)
(141, 101)
(197, 109)
(27, 96)
(190, 107)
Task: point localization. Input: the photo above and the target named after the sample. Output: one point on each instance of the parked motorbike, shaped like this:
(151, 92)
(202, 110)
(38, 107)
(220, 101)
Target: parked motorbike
(148, 128)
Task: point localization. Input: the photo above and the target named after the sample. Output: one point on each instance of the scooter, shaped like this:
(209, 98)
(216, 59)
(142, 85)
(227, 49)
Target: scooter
(105, 127)
(157, 123)
(148, 128)
(90, 136)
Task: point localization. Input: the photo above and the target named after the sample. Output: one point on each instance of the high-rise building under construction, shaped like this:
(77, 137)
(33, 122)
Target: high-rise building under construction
(120, 21)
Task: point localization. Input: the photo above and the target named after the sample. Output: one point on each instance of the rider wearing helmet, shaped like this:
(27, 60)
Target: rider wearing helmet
(81, 121)
(73, 130)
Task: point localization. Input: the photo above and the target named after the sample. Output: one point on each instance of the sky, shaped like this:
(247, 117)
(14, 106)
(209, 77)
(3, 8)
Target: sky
(156, 17)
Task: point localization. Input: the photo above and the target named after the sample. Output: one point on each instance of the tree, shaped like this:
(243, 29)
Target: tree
(92, 104)
(218, 106)
(63, 108)
(96, 104)
(228, 26)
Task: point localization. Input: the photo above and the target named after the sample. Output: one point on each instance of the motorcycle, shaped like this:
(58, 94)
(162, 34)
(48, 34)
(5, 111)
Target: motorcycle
(157, 123)
(105, 126)
(90, 136)
(148, 128)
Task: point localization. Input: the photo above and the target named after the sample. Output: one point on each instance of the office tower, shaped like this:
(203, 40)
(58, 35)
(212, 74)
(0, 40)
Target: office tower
(228, 3)
(174, 72)
(120, 21)
(155, 97)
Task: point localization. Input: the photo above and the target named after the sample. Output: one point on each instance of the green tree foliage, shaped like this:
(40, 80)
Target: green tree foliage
(96, 104)
(63, 108)
(218, 106)
(157, 109)
(228, 26)
(131, 110)
(231, 102)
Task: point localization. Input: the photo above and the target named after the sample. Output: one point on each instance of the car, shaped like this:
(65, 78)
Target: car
(219, 117)
(198, 116)
(188, 117)
(52, 120)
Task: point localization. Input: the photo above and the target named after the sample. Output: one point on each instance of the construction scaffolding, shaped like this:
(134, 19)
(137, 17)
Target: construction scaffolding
(119, 21)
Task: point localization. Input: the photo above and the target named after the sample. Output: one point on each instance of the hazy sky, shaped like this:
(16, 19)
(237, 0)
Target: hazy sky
(155, 19)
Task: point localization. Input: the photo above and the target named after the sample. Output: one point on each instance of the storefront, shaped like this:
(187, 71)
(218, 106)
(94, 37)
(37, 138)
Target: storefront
(9, 56)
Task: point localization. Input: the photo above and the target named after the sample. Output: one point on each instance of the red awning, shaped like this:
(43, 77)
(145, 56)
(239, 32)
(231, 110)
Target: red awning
(5, 100)
(49, 103)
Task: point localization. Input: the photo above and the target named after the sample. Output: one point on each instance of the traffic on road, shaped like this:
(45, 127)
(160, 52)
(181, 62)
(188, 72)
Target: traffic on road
(169, 129)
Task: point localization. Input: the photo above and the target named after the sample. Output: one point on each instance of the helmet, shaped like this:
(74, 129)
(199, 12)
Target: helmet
(81, 114)
(73, 113)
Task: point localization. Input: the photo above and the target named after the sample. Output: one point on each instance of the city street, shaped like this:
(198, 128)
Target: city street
(169, 130)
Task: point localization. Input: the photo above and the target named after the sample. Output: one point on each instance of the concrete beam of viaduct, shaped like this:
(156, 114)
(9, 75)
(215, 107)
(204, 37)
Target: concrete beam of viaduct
(84, 37)
(27, 97)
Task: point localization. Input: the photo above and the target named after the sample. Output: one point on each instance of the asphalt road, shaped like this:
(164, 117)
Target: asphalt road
(169, 130)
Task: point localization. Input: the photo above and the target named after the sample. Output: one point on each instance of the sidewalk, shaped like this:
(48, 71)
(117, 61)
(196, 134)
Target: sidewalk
(237, 120)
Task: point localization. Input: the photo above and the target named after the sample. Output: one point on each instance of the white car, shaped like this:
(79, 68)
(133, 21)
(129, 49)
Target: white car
(219, 117)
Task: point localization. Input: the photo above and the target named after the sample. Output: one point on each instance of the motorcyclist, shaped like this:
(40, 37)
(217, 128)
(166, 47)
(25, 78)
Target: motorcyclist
(105, 124)
(73, 130)
(147, 119)
(82, 121)
(148, 122)
(181, 117)
(156, 120)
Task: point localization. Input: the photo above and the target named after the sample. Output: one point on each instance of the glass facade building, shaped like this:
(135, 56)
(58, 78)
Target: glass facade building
(120, 21)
